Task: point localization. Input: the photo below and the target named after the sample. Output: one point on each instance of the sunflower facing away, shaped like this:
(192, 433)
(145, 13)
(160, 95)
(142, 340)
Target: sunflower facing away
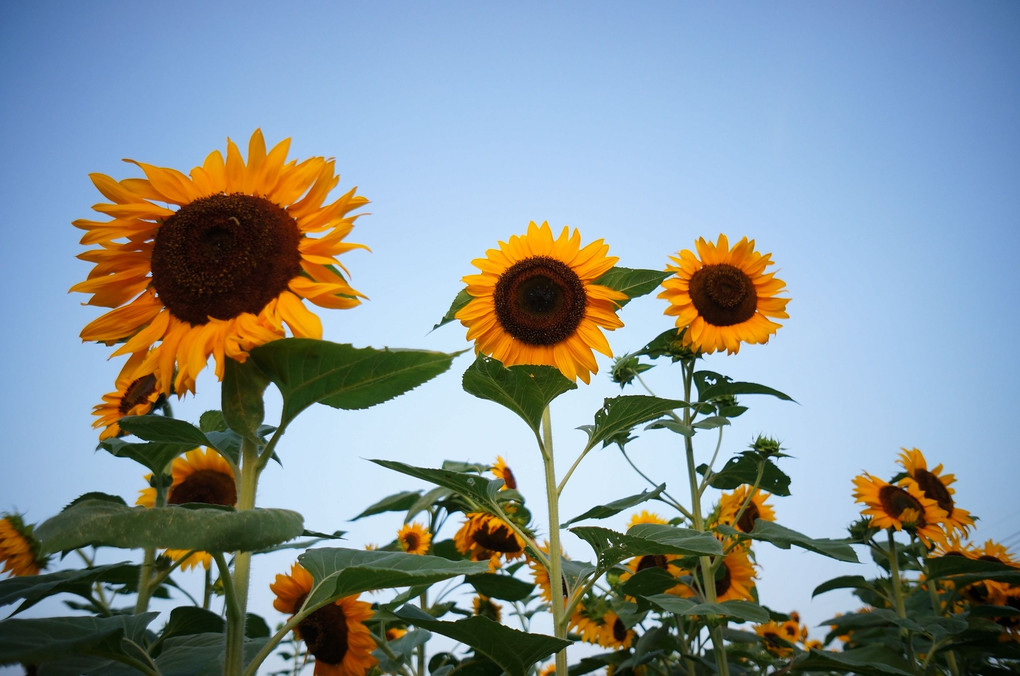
(19, 550)
(335, 634)
(900, 506)
(485, 537)
(414, 538)
(137, 393)
(217, 261)
(501, 471)
(936, 485)
(198, 476)
(723, 296)
(535, 302)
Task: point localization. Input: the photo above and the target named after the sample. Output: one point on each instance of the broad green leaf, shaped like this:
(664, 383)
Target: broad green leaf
(478, 488)
(341, 572)
(612, 547)
(163, 429)
(666, 344)
(648, 582)
(210, 529)
(964, 570)
(743, 469)
(154, 456)
(619, 415)
(308, 371)
(842, 582)
(403, 647)
(737, 610)
(200, 654)
(503, 587)
(525, 389)
(398, 502)
(633, 282)
(460, 300)
(870, 660)
(30, 589)
(617, 506)
(711, 422)
(188, 620)
(878, 617)
(712, 385)
(242, 394)
(673, 426)
(36, 641)
(515, 651)
(783, 537)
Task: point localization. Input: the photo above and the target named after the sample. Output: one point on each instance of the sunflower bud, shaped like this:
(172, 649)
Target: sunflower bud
(627, 368)
(767, 447)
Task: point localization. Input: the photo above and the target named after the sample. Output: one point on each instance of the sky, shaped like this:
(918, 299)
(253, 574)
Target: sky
(872, 148)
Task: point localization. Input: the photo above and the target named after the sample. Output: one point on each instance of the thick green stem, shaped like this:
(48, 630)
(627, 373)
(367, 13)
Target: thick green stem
(898, 602)
(145, 574)
(555, 559)
(247, 483)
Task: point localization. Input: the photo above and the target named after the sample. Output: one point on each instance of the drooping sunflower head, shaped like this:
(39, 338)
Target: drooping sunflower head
(540, 574)
(937, 486)
(414, 538)
(739, 510)
(227, 268)
(19, 549)
(501, 471)
(334, 634)
(137, 393)
(900, 506)
(485, 537)
(486, 607)
(723, 297)
(535, 301)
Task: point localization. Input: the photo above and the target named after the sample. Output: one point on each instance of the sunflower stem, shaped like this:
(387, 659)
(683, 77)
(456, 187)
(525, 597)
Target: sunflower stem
(247, 482)
(897, 589)
(555, 561)
(147, 569)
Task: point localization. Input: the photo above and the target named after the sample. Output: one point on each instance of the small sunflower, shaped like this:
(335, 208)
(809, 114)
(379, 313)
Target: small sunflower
(485, 537)
(223, 271)
(201, 476)
(541, 576)
(535, 302)
(335, 634)
(900, 506)
(730, 504)
(645, 516)
(19, 549)
(486, 607)
(414, 538)
(723, 296)
(393, 633)
(775, 638)
(734, 578)
(137, 393)
(936, 486)
(501, 471)
(615, 633)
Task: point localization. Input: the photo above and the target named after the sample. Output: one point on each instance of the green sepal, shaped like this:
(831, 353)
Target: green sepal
(617, 506)
(524, 389)
(619, 415)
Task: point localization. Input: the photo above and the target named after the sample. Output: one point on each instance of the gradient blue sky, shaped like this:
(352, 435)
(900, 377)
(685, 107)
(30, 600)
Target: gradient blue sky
(873, 148)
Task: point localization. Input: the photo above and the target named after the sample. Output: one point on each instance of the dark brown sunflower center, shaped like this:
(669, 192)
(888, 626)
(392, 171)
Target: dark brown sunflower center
(206, 486)
(652, 561)
(723, 580)
(895, 501)
(136, 393)
(497, 539)
(723, 294)
(223, 255)
(746, 521)
(325, 634)
(411, 542)
(540, 300)
(619, 631)
(508, 478)
(934, 488)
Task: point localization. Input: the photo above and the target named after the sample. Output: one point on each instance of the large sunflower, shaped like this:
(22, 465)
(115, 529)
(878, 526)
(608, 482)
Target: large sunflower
(485, 537)
(225, 266)
(900, 506)
(936, 486)
(136, 393)
(335, 634)
(535, 302)
(414, 538)
(723, 296)
(19, 550)
(201, 476)
(757, 508)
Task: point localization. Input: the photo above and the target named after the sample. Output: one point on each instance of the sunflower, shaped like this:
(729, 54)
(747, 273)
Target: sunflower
(137, 393)
(335, 633)
(900, 506)
(486, 607)
(645, 517)
(756, 508)
(723, 296)
(201, 476)
(223, 271)
(615, 633)
(501, 471)
(666, 562)
(414, 538)
(535, 302)
(487, 537)
(540, 575)
(393, 633)
(776, 639)
(19, 549)
(734, 578)
(936, 486)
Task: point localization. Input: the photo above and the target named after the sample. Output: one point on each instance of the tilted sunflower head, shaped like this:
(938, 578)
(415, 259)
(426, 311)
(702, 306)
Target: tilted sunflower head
(137, 392)
(937, 486)
(19, 548)
(535, 301)
(900, 506)
(225, 266)
(722, 297)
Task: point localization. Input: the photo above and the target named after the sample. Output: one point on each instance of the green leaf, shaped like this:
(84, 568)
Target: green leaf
(503, 587)
(30, 589)
(188, 620)
(163, 429)
(842, 582)
(480, 489)
(398, 502)
(964, 570)
(617, 506)
(673, 426)
(308, 371)
(783, 537)
(154, 456)
(743, 469)
(612, 547)
(36, 641)
(737, 610)
(873, 659)
(619, 415)
(666, 344)
(200, 655)
(207, 528)
(515, 651)
(462, 298)
(339, 572)
(648, 582)
(525, 389)
(403, 648)
(242, 397)
(712, 385)
(633, 282)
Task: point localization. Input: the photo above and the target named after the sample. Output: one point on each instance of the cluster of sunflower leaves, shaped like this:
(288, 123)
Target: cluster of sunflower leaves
(637, 603)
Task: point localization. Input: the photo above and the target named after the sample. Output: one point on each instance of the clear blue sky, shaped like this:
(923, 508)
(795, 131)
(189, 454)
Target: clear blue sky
(873, 148)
